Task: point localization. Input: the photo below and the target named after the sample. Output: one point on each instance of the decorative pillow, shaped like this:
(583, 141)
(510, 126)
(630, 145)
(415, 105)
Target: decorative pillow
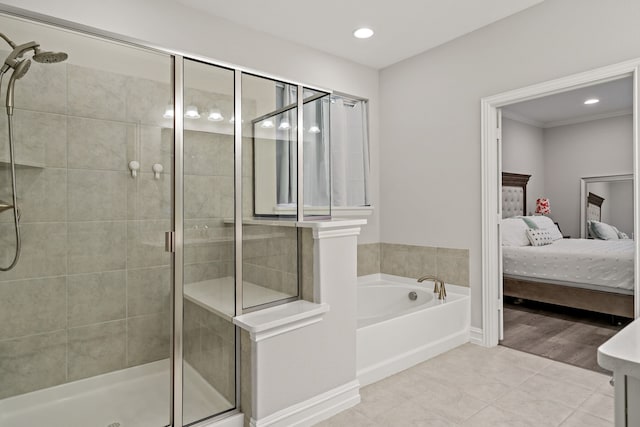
(603, 231)
(539, 237)
(514, 232)
(541, 222)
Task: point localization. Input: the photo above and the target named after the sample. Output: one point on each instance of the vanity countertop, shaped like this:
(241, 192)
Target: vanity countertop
(621, 353)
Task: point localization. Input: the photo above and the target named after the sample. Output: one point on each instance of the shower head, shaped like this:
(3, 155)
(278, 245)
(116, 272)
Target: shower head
(19, 71)
(46, 57)
(13, 59)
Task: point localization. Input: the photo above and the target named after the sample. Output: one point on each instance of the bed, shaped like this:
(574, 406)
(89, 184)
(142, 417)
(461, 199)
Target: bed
(595, 275)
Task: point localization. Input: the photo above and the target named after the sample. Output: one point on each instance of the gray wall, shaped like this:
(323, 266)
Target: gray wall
(431, 113)
(621, 206)
(558, 157)
(523, 152)
(596, 148)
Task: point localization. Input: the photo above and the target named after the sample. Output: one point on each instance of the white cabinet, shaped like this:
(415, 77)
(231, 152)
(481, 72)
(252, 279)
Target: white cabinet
(621, 354)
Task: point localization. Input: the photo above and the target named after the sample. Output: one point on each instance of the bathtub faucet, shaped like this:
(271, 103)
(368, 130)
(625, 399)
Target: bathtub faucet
(438, 286)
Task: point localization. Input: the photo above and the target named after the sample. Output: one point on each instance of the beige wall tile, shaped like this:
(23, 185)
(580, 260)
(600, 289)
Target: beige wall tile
(368, 259)
(96, 349)
(44, 250)
(147, 338)
(145, 243)
(394, 259)
(97, 195)
(204, 271)
(39, 138)
(32, 363)
(146, 99)
(147, 197)
(100, 144)
(148, 290)
(96, 297)
(44, 89)
(42, 194)
(209, 154)
(450, 265)
(453, 266)
(32, 306)
(421, 261)
(306, 265)
(97, 246)
(156, 146)
(95, 93)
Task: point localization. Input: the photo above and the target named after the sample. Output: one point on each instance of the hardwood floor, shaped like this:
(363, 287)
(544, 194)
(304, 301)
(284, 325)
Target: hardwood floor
(564, 334)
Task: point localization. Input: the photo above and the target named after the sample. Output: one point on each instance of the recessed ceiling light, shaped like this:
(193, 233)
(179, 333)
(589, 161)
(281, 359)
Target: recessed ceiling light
(363, 33)
(591, 101)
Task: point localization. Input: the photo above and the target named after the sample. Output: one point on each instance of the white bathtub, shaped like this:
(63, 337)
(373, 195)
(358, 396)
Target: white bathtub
(395, 333)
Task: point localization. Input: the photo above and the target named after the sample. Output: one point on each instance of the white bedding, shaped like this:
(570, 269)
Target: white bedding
(604, 264)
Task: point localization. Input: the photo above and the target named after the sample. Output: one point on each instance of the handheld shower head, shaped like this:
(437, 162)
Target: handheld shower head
(45, 57)
(13, 59)
(18, 73)
(21, 69)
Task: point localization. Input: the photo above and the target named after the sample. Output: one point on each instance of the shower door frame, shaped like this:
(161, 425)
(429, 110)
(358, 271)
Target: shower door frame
(175, 237)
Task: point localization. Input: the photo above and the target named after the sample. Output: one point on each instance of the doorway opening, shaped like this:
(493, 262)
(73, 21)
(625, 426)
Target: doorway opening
(496, 302)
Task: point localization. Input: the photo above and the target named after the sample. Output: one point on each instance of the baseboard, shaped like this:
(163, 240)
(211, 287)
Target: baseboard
(476, 336)
(404, 361)
(314, 410)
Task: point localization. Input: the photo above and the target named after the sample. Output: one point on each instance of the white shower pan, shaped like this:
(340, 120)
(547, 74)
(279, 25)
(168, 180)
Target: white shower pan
(133, 397)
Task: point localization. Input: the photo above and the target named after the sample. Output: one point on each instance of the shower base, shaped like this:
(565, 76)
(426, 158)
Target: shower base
(133, 397)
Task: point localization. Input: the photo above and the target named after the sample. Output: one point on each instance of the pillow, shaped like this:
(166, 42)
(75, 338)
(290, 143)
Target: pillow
(603, 231)
(622, 235)
(539, 237)
(514, 232)
(542, 222)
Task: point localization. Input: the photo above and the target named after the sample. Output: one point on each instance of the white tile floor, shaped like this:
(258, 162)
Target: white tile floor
(477, 386)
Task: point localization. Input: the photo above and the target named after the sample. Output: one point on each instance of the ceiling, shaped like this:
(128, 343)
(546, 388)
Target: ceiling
(403, 28)
(616, 98)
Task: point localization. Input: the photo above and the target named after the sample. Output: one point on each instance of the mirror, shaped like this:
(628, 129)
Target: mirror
(607, 199)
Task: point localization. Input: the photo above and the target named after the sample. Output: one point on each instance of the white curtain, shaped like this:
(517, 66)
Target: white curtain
(316, 154)
(349, 153)
(286, 162)
(335, 160)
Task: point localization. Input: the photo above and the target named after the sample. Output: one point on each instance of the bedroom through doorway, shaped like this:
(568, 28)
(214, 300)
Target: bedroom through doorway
(567, 228)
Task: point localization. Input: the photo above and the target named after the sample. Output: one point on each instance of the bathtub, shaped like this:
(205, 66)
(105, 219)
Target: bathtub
(395, 333)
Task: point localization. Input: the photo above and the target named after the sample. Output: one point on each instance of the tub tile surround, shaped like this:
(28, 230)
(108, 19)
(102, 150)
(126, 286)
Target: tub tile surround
(467, 386)
(450, 265)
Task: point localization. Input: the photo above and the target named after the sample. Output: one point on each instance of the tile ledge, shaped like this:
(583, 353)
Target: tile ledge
(281, 319)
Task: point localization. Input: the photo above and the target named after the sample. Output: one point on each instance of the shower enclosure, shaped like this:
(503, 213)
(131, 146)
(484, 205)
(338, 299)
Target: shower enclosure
(138, 172)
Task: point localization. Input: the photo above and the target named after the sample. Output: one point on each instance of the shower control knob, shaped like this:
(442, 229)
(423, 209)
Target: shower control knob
(134, 167)
(157, 170)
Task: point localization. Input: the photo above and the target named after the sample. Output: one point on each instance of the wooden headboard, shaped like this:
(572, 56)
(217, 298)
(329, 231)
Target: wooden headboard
(514, 194)
(594, 207)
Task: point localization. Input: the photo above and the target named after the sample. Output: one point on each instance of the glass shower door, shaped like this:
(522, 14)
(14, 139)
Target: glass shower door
(209, 368)
(85, 316)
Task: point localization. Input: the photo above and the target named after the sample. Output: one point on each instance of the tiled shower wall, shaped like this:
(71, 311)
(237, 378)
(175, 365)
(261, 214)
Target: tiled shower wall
(90, 292)
(450, 265)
